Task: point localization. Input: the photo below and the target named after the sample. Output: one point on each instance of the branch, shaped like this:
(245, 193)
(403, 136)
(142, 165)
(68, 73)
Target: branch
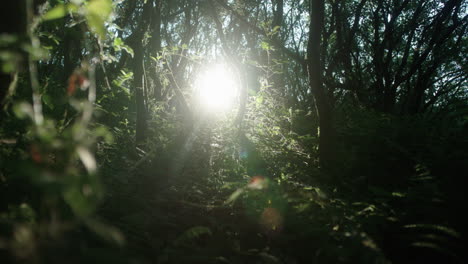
(229, 54)
(293, 55)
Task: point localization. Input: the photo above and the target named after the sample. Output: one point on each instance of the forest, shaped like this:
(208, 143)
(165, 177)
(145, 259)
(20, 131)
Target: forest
(233, 131)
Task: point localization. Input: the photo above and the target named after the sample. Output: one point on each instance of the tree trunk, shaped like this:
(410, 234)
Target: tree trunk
(155, 43)
(138, 83)
(314, 70)
(141, 126)
(276, 54)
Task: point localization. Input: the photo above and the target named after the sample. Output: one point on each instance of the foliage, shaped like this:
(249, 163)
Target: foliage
(106, 154)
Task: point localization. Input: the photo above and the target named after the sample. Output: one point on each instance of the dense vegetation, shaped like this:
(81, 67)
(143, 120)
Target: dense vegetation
(346, 140)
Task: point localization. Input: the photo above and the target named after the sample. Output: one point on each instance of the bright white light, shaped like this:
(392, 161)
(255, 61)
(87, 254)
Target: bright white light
(217, 89)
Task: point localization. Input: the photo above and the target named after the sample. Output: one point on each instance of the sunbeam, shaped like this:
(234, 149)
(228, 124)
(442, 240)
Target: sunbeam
(216, 88)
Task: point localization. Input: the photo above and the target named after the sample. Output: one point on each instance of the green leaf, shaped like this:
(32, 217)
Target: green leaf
(102, 131)
(118, 42)
(57, 12)
(128, 50)
(80, 205)
(265, 45)
(48, 101)
(101, 8)
(443, 229)
(234, 196)
(259, 100)
(98, 11)
(192, 234)
(23, 110)
(107, 232)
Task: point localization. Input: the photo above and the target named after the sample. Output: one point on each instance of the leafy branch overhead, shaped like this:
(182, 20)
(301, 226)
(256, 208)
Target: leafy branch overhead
(96, 13)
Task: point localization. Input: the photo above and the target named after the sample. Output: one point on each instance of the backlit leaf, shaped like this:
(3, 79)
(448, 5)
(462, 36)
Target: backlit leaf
(98, 11)
(192, 234)
(80, 205)
(56, 12)
(87, 158)
(234, 196)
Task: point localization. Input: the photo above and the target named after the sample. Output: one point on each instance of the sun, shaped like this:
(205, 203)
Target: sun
(216, 88)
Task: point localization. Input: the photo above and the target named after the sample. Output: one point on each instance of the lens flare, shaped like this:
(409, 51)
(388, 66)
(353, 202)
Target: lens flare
(257, 183)
(216, 88)
(271, 220)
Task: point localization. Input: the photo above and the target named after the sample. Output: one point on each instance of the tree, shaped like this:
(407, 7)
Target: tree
(315, 72)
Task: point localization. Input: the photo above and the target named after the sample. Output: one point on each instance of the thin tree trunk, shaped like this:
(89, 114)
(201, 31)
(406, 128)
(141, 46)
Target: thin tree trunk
(156, 45)
(141, 126)
(314, 70)
(138, 71)
(278, 77)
